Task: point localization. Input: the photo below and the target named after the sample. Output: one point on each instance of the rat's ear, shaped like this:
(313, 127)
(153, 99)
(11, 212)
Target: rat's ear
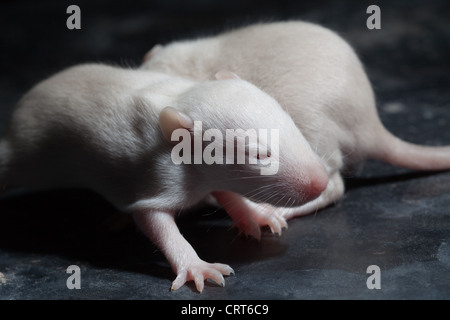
(171, 119)
(225, 74)
(152, 52)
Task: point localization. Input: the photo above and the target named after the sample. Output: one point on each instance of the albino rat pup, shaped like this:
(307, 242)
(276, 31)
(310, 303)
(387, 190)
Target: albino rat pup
(115, 130)
(317, 78)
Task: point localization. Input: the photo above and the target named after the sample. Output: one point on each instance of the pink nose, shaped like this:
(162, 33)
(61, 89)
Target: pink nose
(318, 182)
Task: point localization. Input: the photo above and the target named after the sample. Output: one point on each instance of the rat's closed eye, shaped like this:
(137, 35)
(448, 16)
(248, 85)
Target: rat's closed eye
(262, 156)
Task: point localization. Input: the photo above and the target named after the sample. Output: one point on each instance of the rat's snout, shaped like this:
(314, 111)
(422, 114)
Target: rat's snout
(318, 182)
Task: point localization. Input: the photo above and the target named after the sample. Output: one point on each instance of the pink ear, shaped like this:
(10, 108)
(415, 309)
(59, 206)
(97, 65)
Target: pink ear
(171, 119)
(225, 74)
(152, 52)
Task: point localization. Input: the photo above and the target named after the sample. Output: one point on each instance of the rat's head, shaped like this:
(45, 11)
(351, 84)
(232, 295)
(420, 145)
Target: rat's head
(237, 138)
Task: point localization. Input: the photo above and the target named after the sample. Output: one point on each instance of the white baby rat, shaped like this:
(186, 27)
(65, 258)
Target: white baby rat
(318, 79)
(109, 129)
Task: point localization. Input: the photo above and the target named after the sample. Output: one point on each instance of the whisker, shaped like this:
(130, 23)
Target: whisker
(249, 177)
(281, 199)
(259, 191)
(271, 196)
(290, 205)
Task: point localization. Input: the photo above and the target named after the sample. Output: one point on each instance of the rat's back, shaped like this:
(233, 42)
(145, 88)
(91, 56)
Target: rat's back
(76, 127)
(310, 70)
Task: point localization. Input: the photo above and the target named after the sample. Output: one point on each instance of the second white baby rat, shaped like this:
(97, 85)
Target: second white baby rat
(317, 78)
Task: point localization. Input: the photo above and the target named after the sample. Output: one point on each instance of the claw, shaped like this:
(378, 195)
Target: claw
(249, 229)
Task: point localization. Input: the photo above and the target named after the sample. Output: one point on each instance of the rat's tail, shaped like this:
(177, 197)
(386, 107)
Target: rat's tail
(393, 150)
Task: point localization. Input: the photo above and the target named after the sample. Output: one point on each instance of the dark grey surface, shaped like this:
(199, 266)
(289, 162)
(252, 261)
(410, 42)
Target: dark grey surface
(390, 217)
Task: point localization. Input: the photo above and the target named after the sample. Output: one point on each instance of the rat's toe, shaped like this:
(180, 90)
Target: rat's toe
(199, 272)
(179, 281)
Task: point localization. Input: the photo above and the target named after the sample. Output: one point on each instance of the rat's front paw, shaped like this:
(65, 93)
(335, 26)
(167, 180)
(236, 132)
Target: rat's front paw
(199, 271)
(260, 215)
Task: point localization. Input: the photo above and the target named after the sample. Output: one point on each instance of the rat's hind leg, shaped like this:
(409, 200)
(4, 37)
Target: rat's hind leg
(249, 216)
(161, 228)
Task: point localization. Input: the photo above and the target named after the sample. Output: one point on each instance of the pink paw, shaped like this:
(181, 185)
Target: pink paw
(258, 216)
(199, 271)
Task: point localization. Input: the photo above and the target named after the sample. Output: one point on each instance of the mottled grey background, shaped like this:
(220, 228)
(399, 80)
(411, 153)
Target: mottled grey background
(390, 217)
